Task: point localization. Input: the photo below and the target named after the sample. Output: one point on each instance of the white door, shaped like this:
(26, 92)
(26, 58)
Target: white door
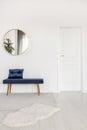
(70, 59)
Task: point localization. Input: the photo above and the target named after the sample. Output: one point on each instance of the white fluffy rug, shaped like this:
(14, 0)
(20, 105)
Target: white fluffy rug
(29, 115)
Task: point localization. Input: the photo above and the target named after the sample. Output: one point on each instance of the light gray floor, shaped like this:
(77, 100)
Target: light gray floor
(73, 114)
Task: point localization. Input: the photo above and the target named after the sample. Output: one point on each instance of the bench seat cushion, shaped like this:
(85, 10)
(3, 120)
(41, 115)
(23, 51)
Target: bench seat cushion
(23, 81)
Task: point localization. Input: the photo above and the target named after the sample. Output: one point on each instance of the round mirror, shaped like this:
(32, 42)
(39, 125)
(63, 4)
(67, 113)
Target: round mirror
(15, 42)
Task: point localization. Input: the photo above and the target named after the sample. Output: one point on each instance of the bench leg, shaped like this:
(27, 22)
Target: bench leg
(38, 89)
(9, 89)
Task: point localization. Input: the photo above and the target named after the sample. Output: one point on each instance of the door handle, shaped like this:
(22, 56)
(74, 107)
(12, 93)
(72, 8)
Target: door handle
(61, 55)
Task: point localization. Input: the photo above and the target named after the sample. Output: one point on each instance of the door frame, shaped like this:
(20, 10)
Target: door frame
(59, 68)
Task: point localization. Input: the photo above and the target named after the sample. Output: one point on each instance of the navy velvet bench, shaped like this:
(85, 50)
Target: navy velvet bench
(22, 81)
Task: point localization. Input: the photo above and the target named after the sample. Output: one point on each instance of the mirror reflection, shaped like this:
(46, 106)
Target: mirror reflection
(15, 42)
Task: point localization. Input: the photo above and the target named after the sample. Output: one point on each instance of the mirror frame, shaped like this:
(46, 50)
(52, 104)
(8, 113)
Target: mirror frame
(4, 39)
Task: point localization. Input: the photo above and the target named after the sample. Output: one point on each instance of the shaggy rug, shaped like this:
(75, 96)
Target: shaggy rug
(29, 115)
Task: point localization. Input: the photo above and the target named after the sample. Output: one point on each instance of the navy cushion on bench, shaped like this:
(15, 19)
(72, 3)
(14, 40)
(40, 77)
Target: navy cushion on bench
(15, 73)
(23, 81)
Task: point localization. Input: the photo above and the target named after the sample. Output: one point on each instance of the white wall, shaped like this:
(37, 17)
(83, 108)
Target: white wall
(40, 20)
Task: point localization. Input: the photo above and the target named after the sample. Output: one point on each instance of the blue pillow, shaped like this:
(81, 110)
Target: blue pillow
(15, 73)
